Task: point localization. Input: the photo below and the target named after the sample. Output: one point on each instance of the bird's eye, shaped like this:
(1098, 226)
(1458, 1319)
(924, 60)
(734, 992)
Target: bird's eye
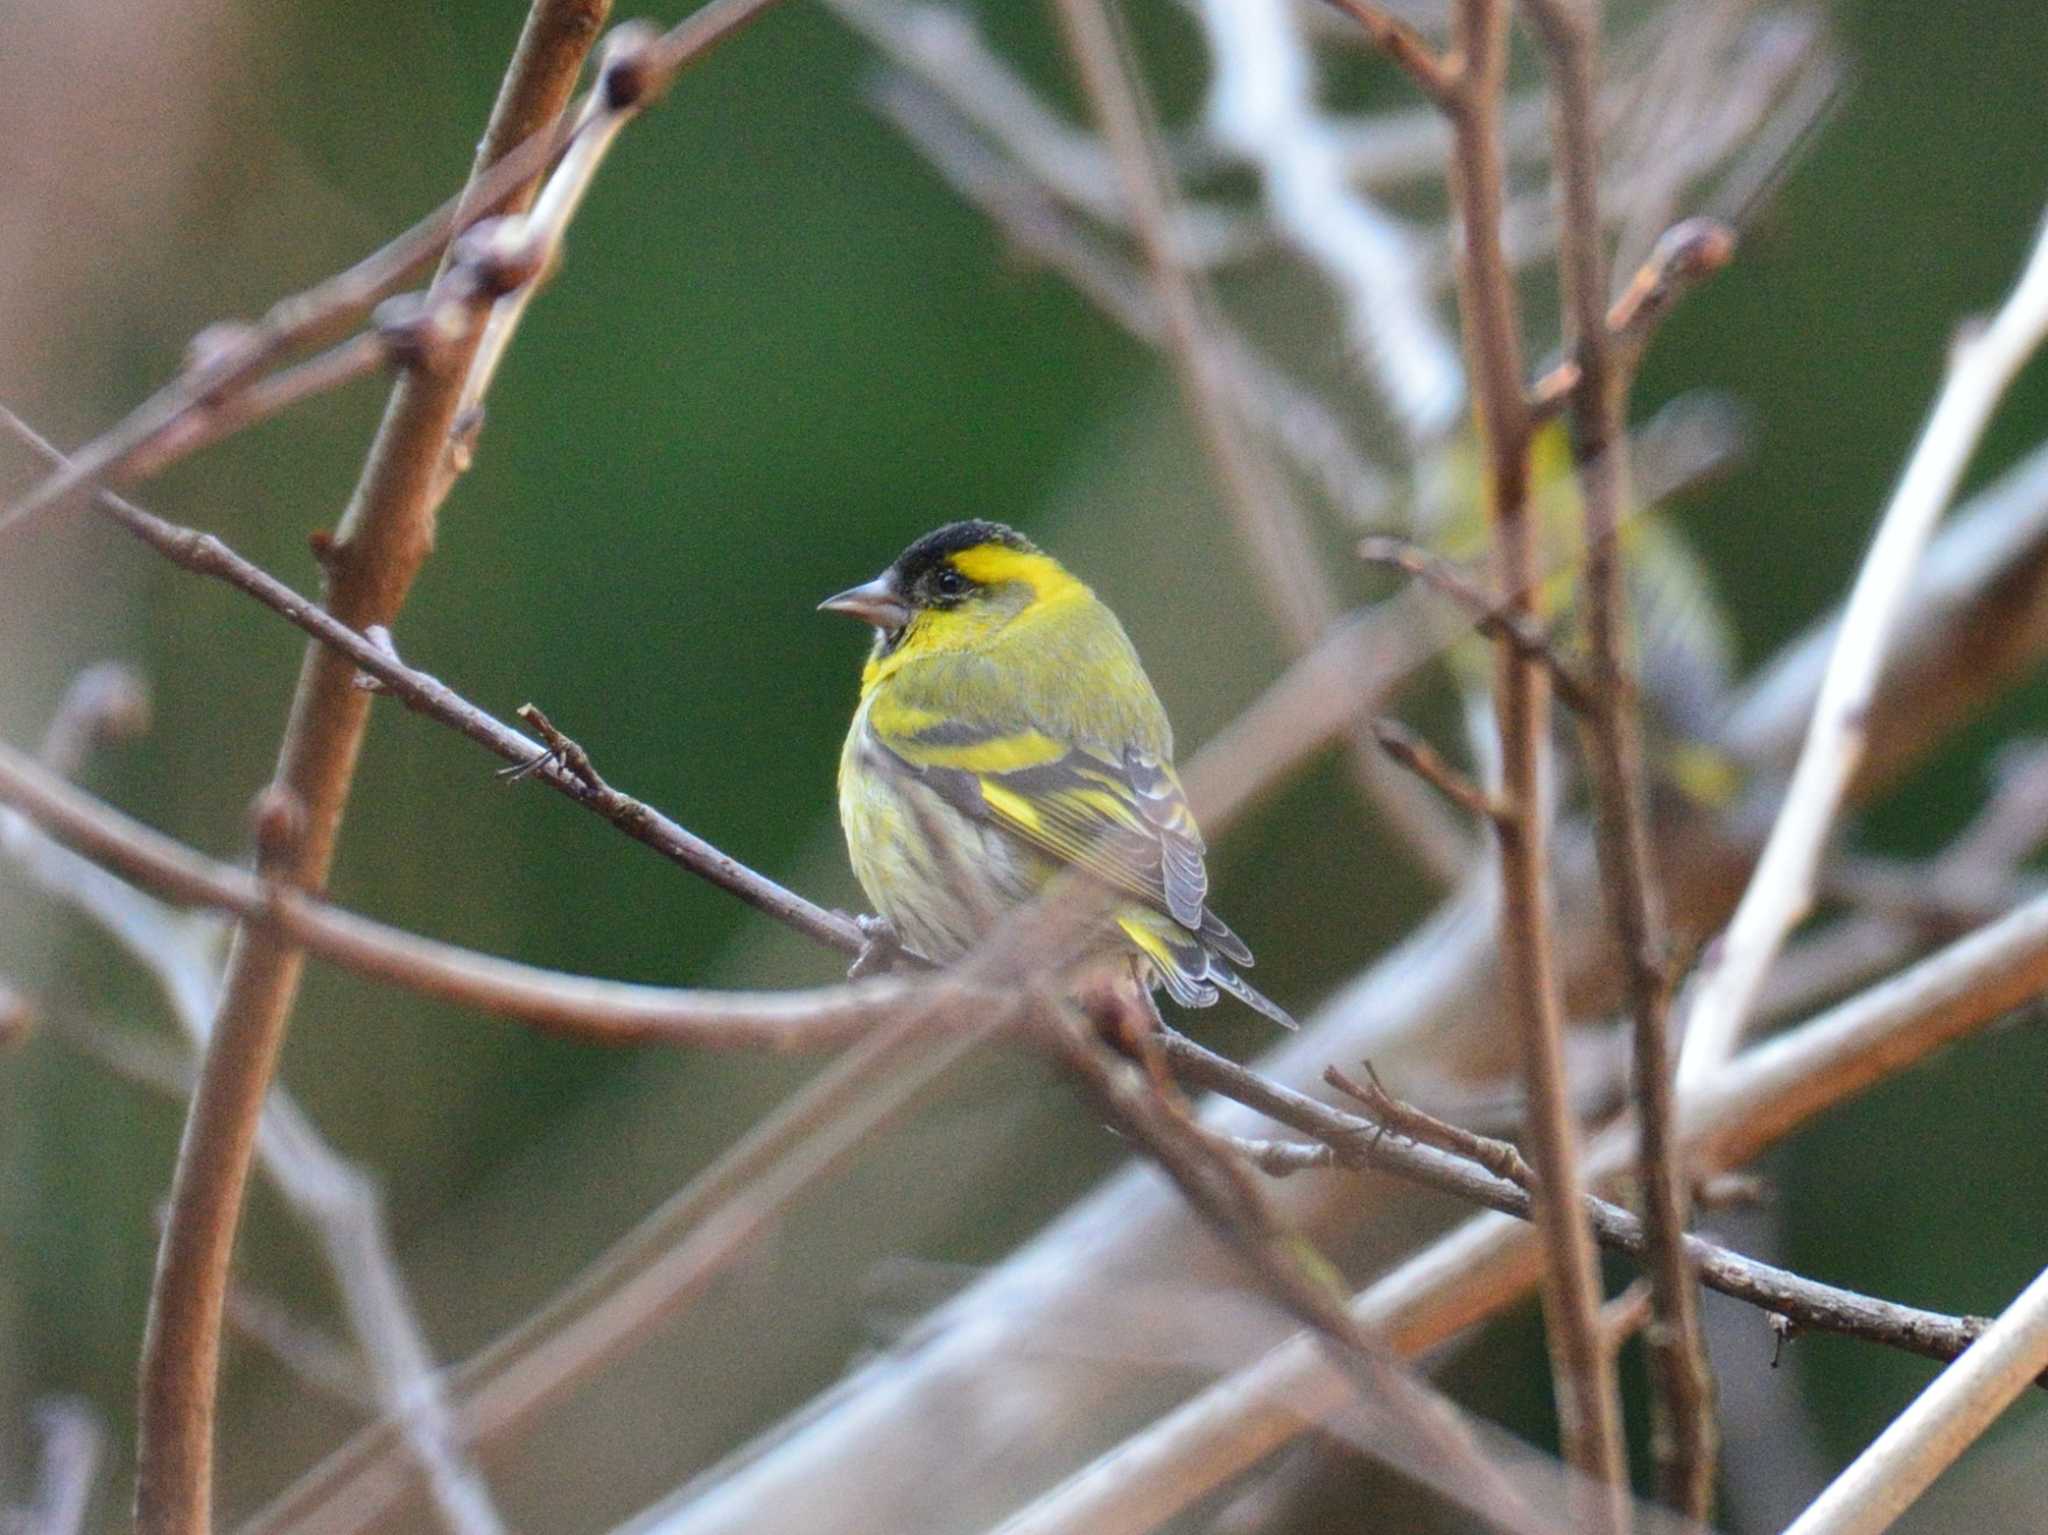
(950, 582)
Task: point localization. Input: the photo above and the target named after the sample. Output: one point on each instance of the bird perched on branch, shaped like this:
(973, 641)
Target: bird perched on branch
(1007, 732)
(1683, 650)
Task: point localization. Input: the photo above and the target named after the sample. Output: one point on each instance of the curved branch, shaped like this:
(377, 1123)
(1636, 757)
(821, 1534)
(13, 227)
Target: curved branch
(587, 1008)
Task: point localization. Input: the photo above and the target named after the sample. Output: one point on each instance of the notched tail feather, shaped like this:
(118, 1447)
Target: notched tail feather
(1250, 995)
(1192, 969)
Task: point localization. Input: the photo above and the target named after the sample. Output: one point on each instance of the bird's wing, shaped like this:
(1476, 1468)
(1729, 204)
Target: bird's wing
(1122, 817)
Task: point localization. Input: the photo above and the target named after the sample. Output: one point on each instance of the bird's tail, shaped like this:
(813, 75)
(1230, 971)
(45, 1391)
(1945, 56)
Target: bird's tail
(1192, 971)
(1248, 994)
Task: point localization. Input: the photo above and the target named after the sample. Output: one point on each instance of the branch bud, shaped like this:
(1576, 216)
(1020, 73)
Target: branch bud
(626, 72)
(216, 341)
(496, 255)
(419, 328)
(277, 821)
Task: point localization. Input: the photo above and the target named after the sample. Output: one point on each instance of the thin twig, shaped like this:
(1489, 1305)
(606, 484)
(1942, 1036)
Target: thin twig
(646, 1277)
(1490, 616)
(1425, 1433)
(225, 357)
(1428, 764)
(205, 555)
(1588, 1399)
(1386, 1144)
(1400, 42)
(942, 48)
(622, 92)
(1625, 1315)
(1718, 1001)
(1685, 256)
(1498, 1157)
(1944, 1420)
(1685, 1437)
(317, 1359)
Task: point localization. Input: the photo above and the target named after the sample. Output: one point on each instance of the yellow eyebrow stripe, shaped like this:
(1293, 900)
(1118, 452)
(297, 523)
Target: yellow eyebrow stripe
(998, 565)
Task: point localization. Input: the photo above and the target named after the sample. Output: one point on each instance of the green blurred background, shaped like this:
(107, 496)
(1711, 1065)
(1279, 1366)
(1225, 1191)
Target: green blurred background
(779, 349)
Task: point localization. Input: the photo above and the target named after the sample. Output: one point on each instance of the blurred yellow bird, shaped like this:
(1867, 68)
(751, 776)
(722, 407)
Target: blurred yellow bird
(1007, 731)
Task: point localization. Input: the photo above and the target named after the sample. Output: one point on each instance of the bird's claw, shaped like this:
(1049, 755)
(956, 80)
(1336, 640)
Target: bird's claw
(880, 947)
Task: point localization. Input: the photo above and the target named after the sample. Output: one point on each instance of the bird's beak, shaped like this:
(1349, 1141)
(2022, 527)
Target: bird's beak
(875, 603)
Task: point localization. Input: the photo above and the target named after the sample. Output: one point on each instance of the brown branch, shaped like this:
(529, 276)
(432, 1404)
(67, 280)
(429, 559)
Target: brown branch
(1296, 589)
(205, 555)
(337, 1204)
(585, 1008)
(225, 357)
(1489, 1262)
(1400, 42)
(1491, 617)
(1426, 763)
(1498, 1157)
(1685, 1436)
(1386, 1145)
(1686, 255)
(1588, 1400)
(1425, 1434)
(383, 539)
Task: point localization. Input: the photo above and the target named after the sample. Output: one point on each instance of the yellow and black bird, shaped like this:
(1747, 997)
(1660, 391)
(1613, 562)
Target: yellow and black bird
(1007, 731)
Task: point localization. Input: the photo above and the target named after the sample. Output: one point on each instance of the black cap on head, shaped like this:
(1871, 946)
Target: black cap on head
(928, 551)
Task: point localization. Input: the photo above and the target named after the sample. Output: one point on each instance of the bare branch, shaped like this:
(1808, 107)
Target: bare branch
(205, 555)
(1407, 47)
(1588, 1395)
(1687, 255)
(1493, 618)
(649, 1275)
(942, 48)
(383, 539)
(1426, 763)
(1425, 1434)
(1488, 1263)
(1384, 1142)
(1720, 997)
(593, 1010)
(1498, 1157)
(1685, 1437)
(622, 92)
(1943, 1421)
(336, 1201)
(225, 357)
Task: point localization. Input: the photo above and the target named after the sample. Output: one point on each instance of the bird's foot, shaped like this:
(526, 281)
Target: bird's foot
(879, 950)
